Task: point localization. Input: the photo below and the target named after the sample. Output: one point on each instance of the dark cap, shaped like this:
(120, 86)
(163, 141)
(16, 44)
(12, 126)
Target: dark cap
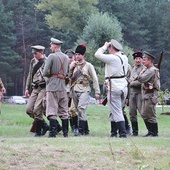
(56, 41)
(148, 55)
(81, 49)
(137, 54)
(37, 48)
(116, 45)
(70, 53)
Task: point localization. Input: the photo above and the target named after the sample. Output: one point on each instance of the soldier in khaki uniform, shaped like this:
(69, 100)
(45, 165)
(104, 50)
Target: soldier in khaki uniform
(149, 77)
(3, 91)
(135, 101)
(56, 69)
(72, 110)
(36, 82)
(80, 72)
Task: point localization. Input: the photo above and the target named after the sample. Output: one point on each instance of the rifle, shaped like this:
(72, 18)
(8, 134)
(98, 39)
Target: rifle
(160, 60)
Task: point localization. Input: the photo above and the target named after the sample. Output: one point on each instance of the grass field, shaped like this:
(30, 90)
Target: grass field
(19, 150)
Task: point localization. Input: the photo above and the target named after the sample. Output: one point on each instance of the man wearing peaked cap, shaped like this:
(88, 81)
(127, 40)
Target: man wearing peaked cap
(116, 67)
(35, 90)
(148, 55)
(72, 110)
(56, 41)
(37, 48)
(135, 97)
(70, 53)
(150, 79)
(56, 69)
(115, 44)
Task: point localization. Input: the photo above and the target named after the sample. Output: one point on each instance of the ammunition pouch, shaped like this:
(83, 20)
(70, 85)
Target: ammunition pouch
(42, 84)
(77, 74)
(36, 85)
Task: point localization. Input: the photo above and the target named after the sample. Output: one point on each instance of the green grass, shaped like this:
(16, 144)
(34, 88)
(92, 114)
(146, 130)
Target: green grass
(19, 150)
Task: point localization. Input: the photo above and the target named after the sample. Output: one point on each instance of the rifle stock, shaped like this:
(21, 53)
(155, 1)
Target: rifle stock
(160, 60)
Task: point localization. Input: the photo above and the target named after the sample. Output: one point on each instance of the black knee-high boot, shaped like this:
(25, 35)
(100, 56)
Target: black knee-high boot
(113, 129)
(86, 129)
(75, 124)
(45, 127)
(65, 127)
(53, 128)
(121, 127)
(135, 128)
(38, 128)
(81, 127)
(148, 126)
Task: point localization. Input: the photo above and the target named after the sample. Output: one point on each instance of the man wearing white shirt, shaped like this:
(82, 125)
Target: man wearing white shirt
(116, 66)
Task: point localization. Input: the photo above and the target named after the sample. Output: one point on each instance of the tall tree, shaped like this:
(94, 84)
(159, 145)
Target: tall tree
(100, 28)
(68, 15)
(8, 58)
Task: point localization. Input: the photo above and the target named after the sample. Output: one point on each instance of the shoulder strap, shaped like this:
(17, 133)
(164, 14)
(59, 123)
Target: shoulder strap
(122, 64)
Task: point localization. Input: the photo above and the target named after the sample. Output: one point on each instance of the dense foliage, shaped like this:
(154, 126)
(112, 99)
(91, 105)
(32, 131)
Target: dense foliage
(138, 24)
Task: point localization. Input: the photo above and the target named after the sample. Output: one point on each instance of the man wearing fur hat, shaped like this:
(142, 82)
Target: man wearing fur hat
(56, 69)
(135, 98)
(116, 67)
(81, 72)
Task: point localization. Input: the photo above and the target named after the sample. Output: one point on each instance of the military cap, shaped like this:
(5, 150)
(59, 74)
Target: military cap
(148, 55)
(116, 45)
(56, 41)
(137, 54)
(37, 48)
(69, 53)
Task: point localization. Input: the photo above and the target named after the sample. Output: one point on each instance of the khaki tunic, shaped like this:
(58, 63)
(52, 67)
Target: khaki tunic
(81, 88)
(135, 100)
(34, 106)
(57, 100)
(150, 80)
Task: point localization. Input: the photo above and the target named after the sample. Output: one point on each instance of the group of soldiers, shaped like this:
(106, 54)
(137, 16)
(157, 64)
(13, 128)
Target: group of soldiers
(58, 87)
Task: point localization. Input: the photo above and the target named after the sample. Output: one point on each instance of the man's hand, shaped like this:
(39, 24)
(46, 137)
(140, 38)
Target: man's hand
(107, 44)
(73, 65)
(97, 96)
(3, 90)
(27, 93)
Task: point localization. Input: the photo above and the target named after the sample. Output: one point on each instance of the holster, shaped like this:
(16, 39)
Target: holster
(104, 102)
(147, 90)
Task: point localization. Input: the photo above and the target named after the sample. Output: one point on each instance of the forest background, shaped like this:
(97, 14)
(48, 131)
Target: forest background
(137, 24)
